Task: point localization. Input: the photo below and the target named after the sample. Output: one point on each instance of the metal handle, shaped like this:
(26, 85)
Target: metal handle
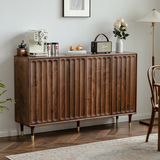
(102, 35)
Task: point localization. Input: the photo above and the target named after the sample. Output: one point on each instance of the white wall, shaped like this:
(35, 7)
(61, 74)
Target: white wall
(18, 16)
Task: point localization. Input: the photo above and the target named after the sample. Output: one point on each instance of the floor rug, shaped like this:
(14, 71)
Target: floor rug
(133, 148)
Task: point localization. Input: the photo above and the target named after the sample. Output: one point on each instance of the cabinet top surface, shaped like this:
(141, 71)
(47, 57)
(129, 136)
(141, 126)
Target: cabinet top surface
(89, 54)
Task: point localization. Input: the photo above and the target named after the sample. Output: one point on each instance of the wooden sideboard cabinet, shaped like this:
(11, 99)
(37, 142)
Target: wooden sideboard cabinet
(51, 90)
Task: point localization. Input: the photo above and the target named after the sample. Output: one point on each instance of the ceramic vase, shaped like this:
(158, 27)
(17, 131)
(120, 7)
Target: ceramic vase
(119, 45)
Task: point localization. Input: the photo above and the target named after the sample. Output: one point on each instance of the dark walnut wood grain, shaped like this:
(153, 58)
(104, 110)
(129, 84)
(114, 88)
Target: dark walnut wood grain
(44, 91)
(63, 89)
(124, 79)
(98, 86)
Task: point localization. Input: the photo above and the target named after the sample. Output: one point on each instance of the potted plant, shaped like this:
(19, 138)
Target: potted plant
(120, 28)
(2, 103)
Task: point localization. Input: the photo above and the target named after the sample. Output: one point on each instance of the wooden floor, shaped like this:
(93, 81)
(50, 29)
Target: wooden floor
(64, 138)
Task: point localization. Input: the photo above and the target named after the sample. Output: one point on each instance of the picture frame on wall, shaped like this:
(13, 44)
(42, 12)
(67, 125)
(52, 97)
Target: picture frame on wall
(77, 8)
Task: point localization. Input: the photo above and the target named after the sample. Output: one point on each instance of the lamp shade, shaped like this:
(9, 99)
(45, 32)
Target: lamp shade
(153, 16)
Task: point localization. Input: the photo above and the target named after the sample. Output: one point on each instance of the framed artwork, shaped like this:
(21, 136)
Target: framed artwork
(76, 8)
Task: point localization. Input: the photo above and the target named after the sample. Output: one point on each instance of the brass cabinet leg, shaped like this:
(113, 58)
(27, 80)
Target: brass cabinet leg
(32, 134)
(32, 138)
(21, 125)
(78, 126)
(130, 120)
(117, 121)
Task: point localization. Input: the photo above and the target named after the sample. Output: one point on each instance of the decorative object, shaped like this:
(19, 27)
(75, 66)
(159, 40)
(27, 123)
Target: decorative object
(21, 51)
(22, 45)
(119, 45)
(71, 48)
(119, 31)
(2, 107)
(85, 87)
(152, 17)
(101, 46)
(133, 148)
(78, 48)
(77, 52)
(77, 8)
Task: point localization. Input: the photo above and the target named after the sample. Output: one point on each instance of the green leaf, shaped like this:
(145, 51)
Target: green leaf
(3, 102)
(2, 106)
(120, 32)
(10, 99)
(2, 85)
(3, 92)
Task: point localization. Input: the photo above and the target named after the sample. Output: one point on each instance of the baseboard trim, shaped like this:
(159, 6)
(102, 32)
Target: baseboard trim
(71, 125)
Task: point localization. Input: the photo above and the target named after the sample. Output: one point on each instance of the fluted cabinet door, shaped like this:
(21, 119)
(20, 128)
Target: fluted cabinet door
(124, 84)
(72, 88)
(44, 91)
(98, 86)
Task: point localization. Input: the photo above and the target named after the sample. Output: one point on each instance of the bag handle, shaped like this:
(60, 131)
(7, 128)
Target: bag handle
(102, 35)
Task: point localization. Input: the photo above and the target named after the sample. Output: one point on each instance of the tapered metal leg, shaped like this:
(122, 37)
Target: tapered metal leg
(117, 121)
(130, 120)
(21, 125)
(32, 138)
(78, 126)
(78, 129)
(32, 134)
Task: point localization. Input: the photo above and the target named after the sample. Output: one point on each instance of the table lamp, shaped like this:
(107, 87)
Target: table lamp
(151, 17)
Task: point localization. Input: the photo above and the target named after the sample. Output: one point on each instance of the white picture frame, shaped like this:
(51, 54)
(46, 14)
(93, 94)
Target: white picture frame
(77, 8)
